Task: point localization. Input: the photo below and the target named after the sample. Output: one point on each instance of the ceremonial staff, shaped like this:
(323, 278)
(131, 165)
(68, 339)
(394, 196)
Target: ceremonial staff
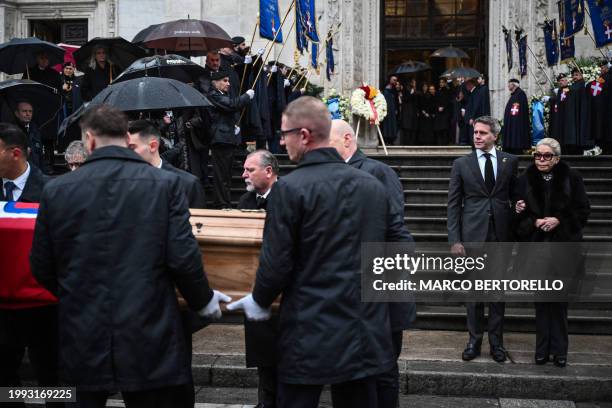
(540, 64)
(281, 51)
(531, 71)
(250, 49)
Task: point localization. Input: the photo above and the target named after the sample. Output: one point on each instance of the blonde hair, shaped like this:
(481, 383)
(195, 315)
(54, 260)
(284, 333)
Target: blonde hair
(92, 60)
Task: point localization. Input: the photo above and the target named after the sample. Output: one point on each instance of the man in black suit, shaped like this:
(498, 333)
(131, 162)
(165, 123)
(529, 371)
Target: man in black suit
(260, 174)
(24, 113)
(24, 323)
(144, 139)
(477, 103)
(112, 240)
(401, 315)
(480, 193)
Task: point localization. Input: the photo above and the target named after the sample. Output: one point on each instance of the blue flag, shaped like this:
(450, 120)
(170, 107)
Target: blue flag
(329, 56)
(521, 40)
(301, 41)
(550, 42)
(567, 49)
(537, 122)
(315, 55)
(571, 17)
(601, 19)
(306, 19)
(269, 20)
(508, 41)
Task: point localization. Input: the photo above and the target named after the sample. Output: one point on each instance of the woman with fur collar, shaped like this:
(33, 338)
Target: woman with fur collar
(553, 207)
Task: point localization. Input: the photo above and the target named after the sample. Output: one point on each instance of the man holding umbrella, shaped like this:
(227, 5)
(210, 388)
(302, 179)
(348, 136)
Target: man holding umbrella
(43, 73)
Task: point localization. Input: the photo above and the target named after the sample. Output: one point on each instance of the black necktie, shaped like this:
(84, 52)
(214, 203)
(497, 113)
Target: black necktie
(9, 186)
(489, 175)
(261, 202)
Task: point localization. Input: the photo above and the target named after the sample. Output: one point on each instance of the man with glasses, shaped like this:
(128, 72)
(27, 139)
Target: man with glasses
(480, 193)
(317, 218)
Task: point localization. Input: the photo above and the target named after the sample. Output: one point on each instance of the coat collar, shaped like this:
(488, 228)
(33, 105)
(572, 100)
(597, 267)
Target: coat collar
(319, 156)
(34, 185)
(357, 157)
(114, 152)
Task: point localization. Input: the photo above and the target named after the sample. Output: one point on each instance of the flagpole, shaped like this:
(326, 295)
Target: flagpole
(250, 49)
(529, 70)
(540, 64)
(281, 51)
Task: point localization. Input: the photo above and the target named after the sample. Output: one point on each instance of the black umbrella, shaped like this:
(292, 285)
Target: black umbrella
(195, 36)
(138, 38)
(20, 53)
(70, 130)
(450, 52)
(411, 67)
(45, 100)
(120, 52)
(461, 72)
(164, 66)
(150, 94)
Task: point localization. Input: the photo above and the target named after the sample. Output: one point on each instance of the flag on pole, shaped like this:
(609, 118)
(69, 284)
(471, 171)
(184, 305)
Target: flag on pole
(301, 41)
(306, 18)
(550, 42)
(508, 41)
(329, 56)
(601, 19)
(269, 20)
(567, 49)
(571, 16)
(315, 55)
(521, 40)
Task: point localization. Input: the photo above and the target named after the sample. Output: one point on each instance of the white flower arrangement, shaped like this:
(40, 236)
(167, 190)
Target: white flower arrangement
(369, 103)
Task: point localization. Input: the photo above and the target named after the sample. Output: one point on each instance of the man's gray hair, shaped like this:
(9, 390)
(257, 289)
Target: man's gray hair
(552, 143)
(75, 151)
(266, 159)
(493, 123)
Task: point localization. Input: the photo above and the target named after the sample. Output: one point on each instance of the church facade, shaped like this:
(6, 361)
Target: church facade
(374, 35)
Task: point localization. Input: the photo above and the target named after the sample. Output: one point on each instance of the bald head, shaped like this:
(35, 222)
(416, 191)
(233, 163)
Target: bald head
(305, 126)
(342, 138)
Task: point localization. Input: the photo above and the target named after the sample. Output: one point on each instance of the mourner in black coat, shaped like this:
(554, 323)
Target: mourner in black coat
(577, 136)
(22, 325)
(317, 218)
(43, 73)
(516, 132)
(389, 123)
(120, 328)
(98, 75)
(558, 110)
(554, 207)
(409, 121)
(477, 105)
(23, 113)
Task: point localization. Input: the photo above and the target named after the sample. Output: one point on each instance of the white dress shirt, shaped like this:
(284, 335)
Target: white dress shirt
(482, 160)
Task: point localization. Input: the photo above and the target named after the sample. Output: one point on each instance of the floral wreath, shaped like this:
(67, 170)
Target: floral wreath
(369, 103)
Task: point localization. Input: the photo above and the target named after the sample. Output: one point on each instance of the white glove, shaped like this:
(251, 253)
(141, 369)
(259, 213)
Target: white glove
(248, 59)
(545, 98)
(287, 83)
(274, 68)
(251, 309)
(236, 130)
(251, 93)
(212, 309)
(261, 51)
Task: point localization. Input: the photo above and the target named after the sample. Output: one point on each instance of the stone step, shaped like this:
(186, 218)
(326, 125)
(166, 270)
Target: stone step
(441, 183)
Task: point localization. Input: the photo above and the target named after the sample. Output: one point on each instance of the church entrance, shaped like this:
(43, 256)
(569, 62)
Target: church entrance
(72, 32)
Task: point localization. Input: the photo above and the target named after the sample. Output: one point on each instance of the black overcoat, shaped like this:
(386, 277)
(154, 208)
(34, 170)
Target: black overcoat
(224, 116)
(317, 218)
(112, 240)
(516, 133)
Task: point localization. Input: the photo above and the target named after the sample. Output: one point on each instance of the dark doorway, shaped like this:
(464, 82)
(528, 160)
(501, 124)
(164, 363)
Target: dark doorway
(72, 32)
(413, 29)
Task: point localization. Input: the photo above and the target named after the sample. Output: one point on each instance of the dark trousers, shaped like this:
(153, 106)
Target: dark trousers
(351, 394)
(198, 164)
(409, 137)
(222, 158)
(34, 329)
(551, 329)
(156, 398)
(260, 343)
(387, 384)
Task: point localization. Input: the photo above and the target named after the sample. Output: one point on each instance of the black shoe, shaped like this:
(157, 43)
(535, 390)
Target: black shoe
(541, 360)
(471, 352)
(498, 353)
(560, 361)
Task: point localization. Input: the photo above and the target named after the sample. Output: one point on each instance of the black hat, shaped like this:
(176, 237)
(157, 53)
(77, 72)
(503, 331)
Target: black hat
(576, 69)
(215, 76)
(561, 76)
(516, 81)
(238, 40)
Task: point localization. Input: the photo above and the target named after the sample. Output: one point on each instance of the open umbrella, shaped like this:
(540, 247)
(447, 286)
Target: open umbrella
(138, 38)
(195, 36)
(164, 66)
(45, 101)
(461, 72)
(70, 130)
(151, 94)
(450, 52)
(410, 67)
(120, 52)
(68, 57)
(20, 53)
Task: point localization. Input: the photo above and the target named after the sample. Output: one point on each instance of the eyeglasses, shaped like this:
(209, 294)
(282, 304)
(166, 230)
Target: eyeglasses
(283, 133)
(543, 156)
(73, 166)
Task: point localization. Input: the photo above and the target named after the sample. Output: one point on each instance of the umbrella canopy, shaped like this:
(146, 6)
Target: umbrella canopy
(150, 94)
(411, 67)
(20, 53)
(120, 52)
(195, 36)
(461, 72)
(68, 57)
(450, 52)
(45, 101)
(164, 66)
(70, 130)
(138, 38)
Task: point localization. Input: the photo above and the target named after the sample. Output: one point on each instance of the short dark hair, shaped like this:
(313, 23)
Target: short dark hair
(12, 136)
(105, 121)
(144, 129)
(490, 121)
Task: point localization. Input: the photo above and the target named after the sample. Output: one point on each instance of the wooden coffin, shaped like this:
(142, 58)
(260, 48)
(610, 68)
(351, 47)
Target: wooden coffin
(230, 241)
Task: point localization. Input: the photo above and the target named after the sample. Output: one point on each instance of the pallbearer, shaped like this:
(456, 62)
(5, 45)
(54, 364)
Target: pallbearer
(516, 133)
